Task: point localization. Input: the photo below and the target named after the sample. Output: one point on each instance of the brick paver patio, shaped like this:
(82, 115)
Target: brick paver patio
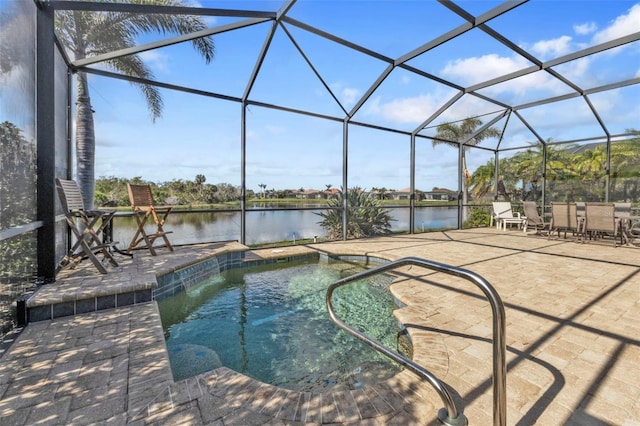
(573, 342)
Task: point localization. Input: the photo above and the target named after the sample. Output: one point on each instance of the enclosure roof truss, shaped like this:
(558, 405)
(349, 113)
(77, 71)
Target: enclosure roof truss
(280, 19)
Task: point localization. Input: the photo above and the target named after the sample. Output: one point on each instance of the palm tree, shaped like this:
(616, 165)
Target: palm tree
(562, 177)
(591, 167)
(625, 168)
(482, 180)
(381, 192)
(453, 134)
(523, 168)
(198, 188)
(94, 33)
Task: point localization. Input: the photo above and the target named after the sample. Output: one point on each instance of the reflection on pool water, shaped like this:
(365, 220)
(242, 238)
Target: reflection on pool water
(271, 323)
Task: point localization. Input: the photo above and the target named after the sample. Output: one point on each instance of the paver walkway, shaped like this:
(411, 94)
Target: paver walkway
(573, 344)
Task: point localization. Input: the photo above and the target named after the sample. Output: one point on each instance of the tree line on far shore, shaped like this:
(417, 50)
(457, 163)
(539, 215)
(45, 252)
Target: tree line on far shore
(112, 191)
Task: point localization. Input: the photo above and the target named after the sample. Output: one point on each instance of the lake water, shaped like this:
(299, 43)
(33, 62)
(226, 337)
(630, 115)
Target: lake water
(272, 225)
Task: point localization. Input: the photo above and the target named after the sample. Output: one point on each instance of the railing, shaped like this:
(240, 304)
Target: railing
(449, 415)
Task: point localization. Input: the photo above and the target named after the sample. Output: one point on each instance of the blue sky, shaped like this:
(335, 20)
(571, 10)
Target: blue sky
(200, 135)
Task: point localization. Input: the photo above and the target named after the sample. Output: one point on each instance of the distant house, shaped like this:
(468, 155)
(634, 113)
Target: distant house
(308, 194)
(403, 194)
(380, 195)
(439, 194)
(580, 149)
(331, 193)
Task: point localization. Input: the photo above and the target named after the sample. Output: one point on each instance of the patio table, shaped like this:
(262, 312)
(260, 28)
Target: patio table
(107, 237)
(520, 221)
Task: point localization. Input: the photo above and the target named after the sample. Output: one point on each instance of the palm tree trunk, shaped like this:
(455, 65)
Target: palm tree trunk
(465, 188)
(85, 142)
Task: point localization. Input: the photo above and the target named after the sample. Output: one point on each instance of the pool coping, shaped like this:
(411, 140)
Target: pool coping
(133, 281)
(390, 398)
(142, 274)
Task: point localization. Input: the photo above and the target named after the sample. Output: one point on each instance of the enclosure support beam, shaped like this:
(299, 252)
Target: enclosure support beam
(45, 137)
(461, 188)
(243, 174)
(412, 186)
(345, 174)
(496, 175)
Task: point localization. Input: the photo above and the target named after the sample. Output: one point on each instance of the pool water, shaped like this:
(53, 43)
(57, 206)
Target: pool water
(271, 323)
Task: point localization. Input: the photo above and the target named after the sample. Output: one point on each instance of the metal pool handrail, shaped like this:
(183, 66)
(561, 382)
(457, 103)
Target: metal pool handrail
(449, 415)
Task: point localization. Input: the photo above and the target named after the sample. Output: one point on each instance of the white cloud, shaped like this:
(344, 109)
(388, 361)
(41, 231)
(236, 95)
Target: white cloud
(482, 68)
(623, 25)
(576, 69)
(546, 49)
(157, 61)
(586, 28)
(349, 96)
(404, 110)
(467, 106)
(469, 71)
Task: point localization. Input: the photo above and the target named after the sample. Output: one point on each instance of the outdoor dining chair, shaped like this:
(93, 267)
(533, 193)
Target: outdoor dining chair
(622, 209)
(564, 217)
(145, 209)
(601, 220)
(534, 219)
(629, 223)
(87, 227)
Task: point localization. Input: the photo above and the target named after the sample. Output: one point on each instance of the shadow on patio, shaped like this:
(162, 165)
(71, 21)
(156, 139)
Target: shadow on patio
(573, 354)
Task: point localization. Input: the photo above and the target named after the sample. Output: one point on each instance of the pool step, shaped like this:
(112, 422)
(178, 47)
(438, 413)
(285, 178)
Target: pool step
(255, 402)
(79, 295)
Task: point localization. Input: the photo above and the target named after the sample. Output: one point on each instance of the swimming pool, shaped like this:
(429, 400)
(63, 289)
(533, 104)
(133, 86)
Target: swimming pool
(270, 323)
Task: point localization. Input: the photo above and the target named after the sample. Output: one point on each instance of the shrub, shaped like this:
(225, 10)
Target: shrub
(366, 217)
(478, 217)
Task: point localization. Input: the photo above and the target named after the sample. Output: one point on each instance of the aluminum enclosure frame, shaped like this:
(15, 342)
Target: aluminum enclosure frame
(280, 20)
